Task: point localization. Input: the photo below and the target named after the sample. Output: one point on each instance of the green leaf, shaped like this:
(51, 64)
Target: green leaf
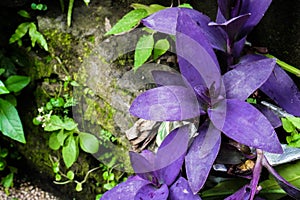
(7, 181)
(287, 125)
(69, 152)
(2, 70)
(57, 177)
(57, 102)
(36, 36)
(69, 124)
(295, 121)
(88, 142)
(16, 83)
(70, 175)
(78, 187)
(129, 21)
(61, 136)
(105, 175)
(153, 8)
(3, 89)
(20, 32)
(53, 141)
(143, 50)
(160, 47)
(54, 124)
(24, 14)
(224, 188)
(290, 172)
(185, 5)
(11, 99)
(10, 123)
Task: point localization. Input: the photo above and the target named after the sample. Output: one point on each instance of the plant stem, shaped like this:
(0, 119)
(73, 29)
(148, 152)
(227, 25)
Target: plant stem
(285, 66)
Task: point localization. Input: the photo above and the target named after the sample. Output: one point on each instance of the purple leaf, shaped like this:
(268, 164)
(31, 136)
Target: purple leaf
(245, 124)
(169, 164)
(229, 8)
(286, 186)
(165, 21)
(241, 194)
(245, 78)
(201, 156)
(281, 88)
(238, 47)
(192, 47)
(149, 192)
(164, 78)
(257, 10)
(233, 26)
(126, 190)
(270, 115)
(181, 190)
(166, 103)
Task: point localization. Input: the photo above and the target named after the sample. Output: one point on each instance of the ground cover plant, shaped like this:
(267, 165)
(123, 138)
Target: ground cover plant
(216, 78)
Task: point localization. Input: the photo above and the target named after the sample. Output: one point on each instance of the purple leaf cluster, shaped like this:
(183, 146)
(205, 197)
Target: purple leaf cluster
(202, 90)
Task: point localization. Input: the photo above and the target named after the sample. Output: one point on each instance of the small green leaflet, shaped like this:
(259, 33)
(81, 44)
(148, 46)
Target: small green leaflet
(53, 142)
(24, 14)
(185, 5)
(36, 36)
(10, 123)
(88, 142)
(55, 123)
(295, 121)
(160, 47)
(20, 32)
(128, 22)
(16, 83)
(69, 152)
(287, 125)
(3, 89)
(143, 50)
(150, 9)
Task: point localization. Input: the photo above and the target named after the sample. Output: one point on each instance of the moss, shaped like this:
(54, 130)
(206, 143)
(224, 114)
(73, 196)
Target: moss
(100, 113)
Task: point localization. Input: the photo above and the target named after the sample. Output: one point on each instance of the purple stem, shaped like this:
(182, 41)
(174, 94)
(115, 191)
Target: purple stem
(256, 173)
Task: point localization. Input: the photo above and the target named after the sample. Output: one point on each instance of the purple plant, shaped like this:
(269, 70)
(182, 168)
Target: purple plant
(201, 90)
(158, 176)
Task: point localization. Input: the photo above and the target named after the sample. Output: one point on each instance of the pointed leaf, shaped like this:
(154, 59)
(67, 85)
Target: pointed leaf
(167, 103)
(10, 123)
(150, 9)
(55, 123)
(16, 83)
(257, 10)
(69, 152)
(281, 88)
(181, 190)
(143, 164)
(20, 32)
(169, 165)
(192, 46)
(241, 194)
(143, 50)
(290, 172)
(270, 115)
(245, 124)
(128, 22)
(149, 192)
(3, 89)
(126, 190)
(233, 26)
(165, 21)
(201, 156)
(160, 47)
(245, 78)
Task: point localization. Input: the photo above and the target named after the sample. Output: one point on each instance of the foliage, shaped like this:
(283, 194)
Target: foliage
(292, 125)
(10, 123)
(30, 27)
(215, 89)
(65, 133)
